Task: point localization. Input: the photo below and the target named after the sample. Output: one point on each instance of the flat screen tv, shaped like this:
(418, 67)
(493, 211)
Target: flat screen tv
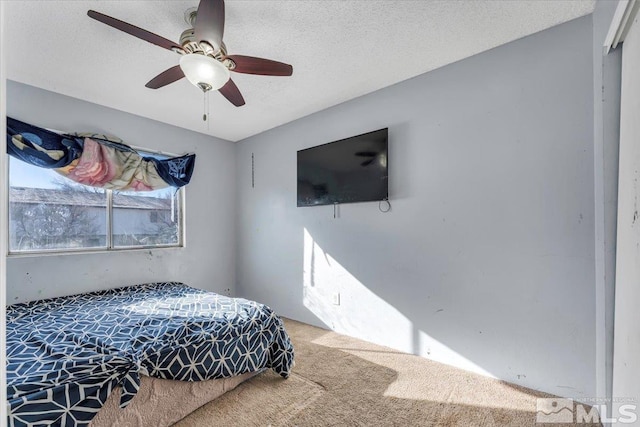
(346, 171)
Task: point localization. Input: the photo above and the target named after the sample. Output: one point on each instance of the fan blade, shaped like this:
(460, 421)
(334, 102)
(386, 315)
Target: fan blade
(210, 22)
(260, 66)
(166, 77)
(134, 31)
(232, 93)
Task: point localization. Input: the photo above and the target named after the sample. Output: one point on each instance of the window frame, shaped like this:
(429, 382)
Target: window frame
(109, 247)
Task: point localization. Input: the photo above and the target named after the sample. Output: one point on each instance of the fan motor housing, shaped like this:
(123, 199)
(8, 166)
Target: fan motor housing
(190, 45)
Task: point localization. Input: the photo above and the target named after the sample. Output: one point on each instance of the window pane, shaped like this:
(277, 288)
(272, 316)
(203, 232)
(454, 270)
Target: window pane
(48, 211)
(146, 218)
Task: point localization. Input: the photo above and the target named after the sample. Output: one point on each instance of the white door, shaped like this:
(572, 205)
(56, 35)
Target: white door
(626, 353)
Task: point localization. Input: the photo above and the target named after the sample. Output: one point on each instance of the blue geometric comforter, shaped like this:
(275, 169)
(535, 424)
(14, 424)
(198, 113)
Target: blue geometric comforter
(65, 355)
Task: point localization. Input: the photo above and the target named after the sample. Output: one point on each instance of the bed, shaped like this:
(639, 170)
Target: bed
(68, 356)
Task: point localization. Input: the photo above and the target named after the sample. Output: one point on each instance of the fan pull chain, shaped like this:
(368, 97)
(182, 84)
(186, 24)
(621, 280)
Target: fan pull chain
(204, 106)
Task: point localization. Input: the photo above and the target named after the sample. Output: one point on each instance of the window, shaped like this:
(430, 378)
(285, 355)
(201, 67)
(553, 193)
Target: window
(145, 218)
(48, 212)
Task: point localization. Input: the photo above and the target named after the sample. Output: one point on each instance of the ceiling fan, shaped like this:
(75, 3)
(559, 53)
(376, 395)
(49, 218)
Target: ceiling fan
(204, 61)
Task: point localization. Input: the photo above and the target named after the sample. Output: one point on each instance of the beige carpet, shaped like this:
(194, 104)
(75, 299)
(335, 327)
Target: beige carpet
(342, 381)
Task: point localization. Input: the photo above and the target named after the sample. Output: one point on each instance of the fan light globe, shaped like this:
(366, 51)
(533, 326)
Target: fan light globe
(204, 71)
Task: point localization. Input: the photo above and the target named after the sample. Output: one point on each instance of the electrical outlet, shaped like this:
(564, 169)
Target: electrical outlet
(336, 298)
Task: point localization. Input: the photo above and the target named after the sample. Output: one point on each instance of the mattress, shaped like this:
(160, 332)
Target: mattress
(67, 355)
(162, 403)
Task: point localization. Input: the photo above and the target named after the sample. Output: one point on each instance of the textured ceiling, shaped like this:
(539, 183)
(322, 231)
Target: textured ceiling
(339, 50)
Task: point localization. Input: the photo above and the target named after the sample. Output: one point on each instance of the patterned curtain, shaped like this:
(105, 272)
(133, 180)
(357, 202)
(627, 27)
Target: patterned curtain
(96, 160)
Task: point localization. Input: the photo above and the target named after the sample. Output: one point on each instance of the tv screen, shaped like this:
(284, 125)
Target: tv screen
(346, 171)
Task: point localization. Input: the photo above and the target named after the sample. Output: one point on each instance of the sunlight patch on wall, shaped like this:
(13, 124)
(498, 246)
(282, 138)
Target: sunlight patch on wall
(435, 350)
(360, 313)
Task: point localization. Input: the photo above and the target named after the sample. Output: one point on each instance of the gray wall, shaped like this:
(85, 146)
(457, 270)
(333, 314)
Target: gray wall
(486, 260)
(208, 259)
